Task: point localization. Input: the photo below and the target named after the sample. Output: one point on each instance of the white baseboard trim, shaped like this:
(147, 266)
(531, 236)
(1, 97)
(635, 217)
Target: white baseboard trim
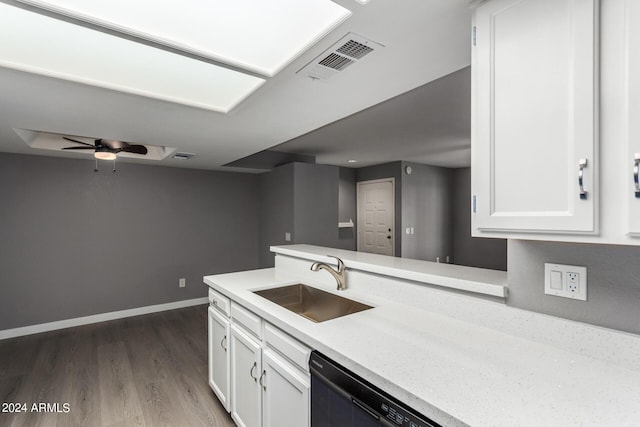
(96, 318)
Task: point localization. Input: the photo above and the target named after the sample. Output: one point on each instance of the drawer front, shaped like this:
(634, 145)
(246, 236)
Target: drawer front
(222, 303)
(288, 346)
(250, 321)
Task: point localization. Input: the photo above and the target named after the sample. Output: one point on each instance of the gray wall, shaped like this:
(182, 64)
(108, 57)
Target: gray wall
(300, 198)
(388, 170)
(427, 207)
(347, 208)
(467, 250)
(74, 242)
(613, 282)
(276, 211)
(315, 196)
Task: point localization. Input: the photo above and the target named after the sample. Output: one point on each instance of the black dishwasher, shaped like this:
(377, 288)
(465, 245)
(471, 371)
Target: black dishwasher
(340, 398)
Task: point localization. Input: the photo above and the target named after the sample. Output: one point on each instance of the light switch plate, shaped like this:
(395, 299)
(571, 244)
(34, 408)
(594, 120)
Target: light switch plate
(567, 281)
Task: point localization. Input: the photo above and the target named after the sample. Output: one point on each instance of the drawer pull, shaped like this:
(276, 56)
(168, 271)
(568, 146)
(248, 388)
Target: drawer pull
(264, 386)
(582, 164)
(255, 365)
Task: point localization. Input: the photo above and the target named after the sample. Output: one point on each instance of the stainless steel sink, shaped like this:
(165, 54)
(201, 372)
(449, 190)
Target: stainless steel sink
(312, 303)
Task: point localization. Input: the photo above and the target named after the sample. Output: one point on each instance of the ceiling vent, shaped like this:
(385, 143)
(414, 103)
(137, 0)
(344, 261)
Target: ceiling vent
(350, 49)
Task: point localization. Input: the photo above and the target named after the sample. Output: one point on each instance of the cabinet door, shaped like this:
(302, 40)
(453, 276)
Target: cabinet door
(219, 356)
(632, 162)
(246, 366)
(535, 116)
(285, 393)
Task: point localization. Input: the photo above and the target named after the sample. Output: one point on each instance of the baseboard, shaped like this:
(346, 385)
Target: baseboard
(103, 317)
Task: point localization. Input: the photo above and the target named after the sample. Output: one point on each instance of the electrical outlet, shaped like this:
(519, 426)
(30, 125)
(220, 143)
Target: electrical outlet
(573, 282)
(182, 282)
(567, 281)
(287, 237)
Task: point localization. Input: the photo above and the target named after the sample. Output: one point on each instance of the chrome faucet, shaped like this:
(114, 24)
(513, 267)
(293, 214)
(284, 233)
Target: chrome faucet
(337, 274)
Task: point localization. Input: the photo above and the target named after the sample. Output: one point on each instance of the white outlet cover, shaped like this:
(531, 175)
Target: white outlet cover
(557, 281)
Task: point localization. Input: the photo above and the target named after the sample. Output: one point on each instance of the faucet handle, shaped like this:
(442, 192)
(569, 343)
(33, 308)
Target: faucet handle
(340, 263)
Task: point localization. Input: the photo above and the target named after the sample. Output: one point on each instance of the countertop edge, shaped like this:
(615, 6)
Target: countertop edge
(495, 285)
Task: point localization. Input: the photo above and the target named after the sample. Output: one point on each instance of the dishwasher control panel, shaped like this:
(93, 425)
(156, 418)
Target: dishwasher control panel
(370, 405)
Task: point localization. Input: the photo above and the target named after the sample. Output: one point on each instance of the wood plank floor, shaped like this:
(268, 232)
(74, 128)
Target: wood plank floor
(147, 370)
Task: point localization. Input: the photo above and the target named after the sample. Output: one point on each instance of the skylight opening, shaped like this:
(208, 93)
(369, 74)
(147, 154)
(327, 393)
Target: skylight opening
(51, 47)
(256, 35)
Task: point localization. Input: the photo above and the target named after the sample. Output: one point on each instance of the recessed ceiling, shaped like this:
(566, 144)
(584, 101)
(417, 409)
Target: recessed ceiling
(423, 41)
(55, 142)
(66, 51)
(258, 35)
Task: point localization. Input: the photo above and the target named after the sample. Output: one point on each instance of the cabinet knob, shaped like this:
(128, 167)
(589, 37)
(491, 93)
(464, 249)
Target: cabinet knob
(581, 165)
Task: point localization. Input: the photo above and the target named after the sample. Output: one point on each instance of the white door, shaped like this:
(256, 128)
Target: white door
(286, 393)
(219, 356)
(246, 366)
(632, 162)
(535, 116)
(376, 216)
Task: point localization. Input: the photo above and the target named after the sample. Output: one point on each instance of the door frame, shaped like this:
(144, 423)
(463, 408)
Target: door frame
(392, 180)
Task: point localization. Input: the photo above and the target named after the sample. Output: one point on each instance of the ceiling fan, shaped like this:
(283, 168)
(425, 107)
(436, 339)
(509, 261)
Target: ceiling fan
(106, 149)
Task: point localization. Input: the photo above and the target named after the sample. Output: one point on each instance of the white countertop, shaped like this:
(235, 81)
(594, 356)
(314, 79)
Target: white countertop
(460, 372)
(470, 279)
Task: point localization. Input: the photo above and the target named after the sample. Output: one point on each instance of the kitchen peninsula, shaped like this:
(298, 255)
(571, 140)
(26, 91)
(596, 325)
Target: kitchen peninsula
(460, 357)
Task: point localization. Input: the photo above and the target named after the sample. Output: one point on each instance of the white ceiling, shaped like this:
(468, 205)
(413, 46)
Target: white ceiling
(424, 40)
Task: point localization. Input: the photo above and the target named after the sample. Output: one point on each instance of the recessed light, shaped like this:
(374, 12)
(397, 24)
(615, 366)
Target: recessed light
(55, 48)
(351, 161)
(262, 36)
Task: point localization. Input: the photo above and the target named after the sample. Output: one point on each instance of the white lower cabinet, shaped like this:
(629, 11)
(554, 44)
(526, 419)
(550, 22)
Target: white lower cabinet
(262, 379)
(219, 360)
(286, 393)
(246, 367)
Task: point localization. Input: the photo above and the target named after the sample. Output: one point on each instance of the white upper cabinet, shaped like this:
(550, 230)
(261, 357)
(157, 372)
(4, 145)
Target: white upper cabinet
(632, 116)
(535, 118)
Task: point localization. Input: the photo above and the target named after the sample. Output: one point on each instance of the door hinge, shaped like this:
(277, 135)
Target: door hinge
(473, 35)
(473, 204)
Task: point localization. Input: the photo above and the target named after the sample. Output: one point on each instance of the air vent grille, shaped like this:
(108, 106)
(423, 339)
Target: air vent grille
(348, 50)
(336, 62)
(354, 49)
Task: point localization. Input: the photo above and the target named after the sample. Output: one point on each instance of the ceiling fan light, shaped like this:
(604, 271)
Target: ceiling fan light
(105, 155)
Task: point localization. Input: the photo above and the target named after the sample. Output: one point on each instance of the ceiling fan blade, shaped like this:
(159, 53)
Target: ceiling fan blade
(78, 142)
(137, 149)
(79, 148)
